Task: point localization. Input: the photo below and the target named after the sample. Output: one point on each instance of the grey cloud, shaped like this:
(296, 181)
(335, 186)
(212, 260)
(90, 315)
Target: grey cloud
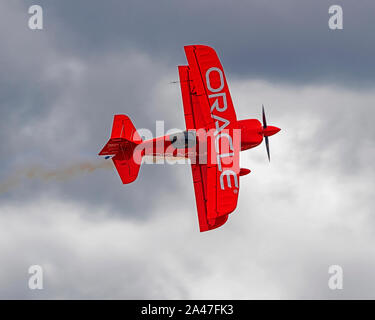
(327, 125)
(295, 218)
(278, 41)
(60, 113)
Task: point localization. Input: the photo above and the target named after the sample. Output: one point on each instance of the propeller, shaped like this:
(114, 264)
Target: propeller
(266, 137)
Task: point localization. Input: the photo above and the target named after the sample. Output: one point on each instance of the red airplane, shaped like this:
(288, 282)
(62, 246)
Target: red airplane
(212, 141)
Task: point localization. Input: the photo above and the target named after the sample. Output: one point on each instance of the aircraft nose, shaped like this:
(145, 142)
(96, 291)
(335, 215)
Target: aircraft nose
(270, 131)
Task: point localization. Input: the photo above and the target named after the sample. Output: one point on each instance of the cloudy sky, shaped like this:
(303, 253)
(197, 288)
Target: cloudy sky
(310, 208)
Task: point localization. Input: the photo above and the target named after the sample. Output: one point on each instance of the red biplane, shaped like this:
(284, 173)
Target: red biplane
(212, 141)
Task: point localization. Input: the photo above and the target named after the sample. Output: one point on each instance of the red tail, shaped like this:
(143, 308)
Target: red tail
(122, 145)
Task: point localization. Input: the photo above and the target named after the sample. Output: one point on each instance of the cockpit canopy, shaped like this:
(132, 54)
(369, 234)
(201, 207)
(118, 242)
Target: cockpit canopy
(183, 140)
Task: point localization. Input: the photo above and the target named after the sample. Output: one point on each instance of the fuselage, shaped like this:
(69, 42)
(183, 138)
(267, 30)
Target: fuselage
(189, 144)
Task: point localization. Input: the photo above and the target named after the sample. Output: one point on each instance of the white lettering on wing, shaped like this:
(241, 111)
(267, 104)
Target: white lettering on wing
(220, 105)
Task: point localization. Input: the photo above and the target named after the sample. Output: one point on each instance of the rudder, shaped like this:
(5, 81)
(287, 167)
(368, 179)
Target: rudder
(122, 146)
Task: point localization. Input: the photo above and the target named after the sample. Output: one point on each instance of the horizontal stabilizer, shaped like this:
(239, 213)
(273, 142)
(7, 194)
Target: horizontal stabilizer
(124, 136)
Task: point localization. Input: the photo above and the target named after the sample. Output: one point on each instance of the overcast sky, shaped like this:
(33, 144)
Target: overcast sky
(310, 208)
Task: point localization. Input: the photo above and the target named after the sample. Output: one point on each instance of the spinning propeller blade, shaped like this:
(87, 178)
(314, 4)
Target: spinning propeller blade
(266, 137)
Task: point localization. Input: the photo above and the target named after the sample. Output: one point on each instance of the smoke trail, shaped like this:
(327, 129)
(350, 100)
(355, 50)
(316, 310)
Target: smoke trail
(42, 174)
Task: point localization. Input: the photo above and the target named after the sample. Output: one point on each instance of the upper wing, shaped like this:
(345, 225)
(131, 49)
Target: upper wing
(209, 87)
(207, 104)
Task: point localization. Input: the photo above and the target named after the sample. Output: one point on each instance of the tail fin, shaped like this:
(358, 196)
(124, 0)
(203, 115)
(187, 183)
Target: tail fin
(122, 144)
